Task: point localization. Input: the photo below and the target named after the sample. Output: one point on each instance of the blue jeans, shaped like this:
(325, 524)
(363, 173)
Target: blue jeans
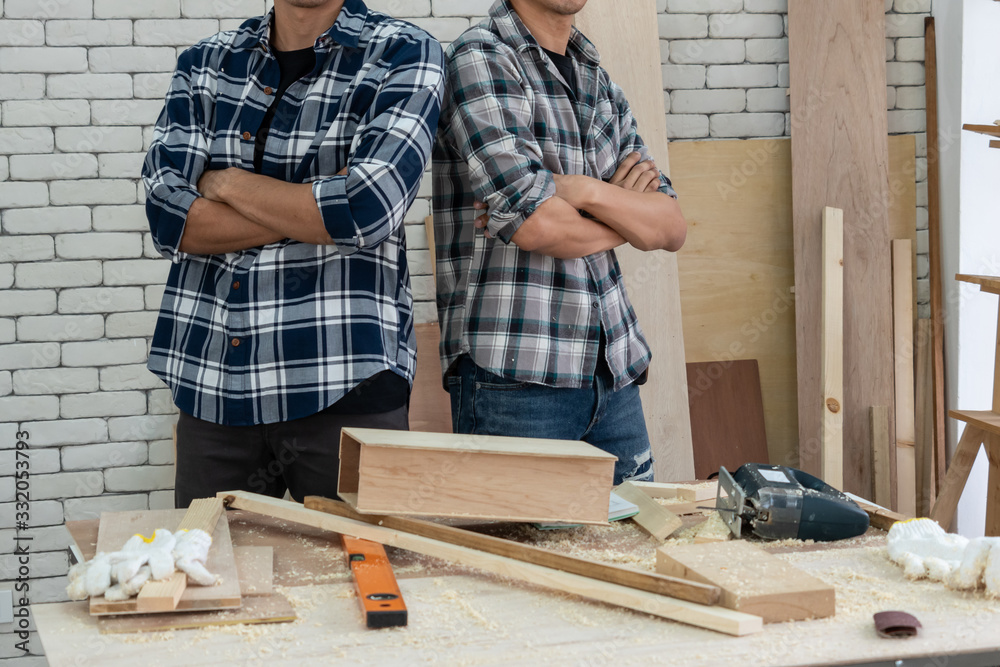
(487, 404)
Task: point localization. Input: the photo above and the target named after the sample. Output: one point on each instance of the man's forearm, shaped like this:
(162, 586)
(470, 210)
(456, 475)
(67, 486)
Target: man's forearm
(288, 209)
(213, 228)
(556, 229)
(647, 220)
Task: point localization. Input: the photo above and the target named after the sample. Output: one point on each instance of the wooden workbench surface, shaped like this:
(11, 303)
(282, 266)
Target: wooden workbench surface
(460, 617)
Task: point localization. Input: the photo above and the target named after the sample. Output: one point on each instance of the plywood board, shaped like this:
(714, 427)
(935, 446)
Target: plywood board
(737, 266)
(430, 404)
(832, 348)
(117, 527)
(727, 415)
(840, 158)
(474, 476)
(255, 566)
(751, 579)
(651, 278)
(273, 608)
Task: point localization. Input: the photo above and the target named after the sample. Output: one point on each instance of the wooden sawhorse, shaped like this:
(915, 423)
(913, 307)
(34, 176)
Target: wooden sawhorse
(982, 427)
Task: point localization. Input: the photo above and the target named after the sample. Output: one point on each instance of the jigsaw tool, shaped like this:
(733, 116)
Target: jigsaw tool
(776, 502)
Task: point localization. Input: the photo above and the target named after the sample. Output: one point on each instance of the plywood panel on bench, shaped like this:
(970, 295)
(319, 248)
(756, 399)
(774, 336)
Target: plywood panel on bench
(651, 278)
(737, 266)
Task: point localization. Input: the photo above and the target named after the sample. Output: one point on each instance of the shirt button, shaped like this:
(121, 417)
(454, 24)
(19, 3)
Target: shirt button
(236, 285)
(236, 342)
(268, 90)
(246, 136)
(596, 304)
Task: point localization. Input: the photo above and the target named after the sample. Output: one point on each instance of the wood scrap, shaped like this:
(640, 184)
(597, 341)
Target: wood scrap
(615, 574)
(714, 618)
(654, 518)
(689, 492)
(879, 517)
(751, 579)
(158, 596)
(840, 158)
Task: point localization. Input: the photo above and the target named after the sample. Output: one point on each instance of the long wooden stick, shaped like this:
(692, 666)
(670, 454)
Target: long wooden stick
(950, 492)
(832, 348)
(711, 618)
(934, 240)
(615, 574)
(164, 595)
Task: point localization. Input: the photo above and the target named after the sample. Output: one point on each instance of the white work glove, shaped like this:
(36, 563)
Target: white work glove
(140, 551)
(191, 556)
(924, 549)
(122, 574)
(92, 577)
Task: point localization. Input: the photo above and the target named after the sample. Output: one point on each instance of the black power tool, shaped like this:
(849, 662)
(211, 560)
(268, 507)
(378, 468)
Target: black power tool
(777, 503)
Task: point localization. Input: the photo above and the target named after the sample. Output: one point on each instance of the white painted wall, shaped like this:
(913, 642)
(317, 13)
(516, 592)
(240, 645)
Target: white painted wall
(968, 53)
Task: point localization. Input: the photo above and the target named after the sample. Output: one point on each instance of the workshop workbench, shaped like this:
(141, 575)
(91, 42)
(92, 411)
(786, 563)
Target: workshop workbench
(460, 617)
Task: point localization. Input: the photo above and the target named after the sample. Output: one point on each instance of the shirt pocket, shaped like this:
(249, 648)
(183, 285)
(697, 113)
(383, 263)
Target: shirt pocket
(605, 139)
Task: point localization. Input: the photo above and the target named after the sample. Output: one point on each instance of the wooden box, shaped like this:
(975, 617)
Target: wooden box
(474, 476)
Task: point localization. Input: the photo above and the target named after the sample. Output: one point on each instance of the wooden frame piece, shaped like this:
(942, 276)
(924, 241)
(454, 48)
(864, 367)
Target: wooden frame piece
(958, 474)
(711, 618)
(832, 348)
(474, 476)
(906, 430)
(615, 574)
(653, 517)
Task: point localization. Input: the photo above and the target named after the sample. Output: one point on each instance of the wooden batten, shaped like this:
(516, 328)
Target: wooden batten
(474, 477)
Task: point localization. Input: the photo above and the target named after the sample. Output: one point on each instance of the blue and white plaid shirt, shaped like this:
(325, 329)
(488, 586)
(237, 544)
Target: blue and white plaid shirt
(283, 331)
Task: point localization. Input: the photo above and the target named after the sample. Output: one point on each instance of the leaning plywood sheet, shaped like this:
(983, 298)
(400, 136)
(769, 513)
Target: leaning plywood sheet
(474, 476)
(751, 579)
(651, 278)
(840, 158)
(737, 266)
(117, 527)
(430, 404)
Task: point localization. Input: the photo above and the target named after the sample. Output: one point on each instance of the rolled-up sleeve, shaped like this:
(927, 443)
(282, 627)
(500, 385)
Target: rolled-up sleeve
(176, 160)
(631, 141)
(490, 126)
(389, 153)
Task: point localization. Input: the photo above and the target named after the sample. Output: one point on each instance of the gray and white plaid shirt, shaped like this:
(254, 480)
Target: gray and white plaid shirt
(508, 124)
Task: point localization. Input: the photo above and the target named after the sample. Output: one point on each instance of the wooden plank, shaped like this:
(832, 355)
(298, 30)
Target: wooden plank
(159, 596)
(840, 158)
(995, 143)
(940, 441)
(737, 266)
(832, 348)
(881, 453)
(727, 415)
(615, 574)
(906, 432)
(751, 579)
(924, 447)
(880, 517)
(958, 473)
(989, 284)
(652, 278)
(712, 618)
(273, 608)
(986, 420)
(430, 404)
(989, 130)
(474, 476)
(653, 517)
(689, 492)
(117, 527)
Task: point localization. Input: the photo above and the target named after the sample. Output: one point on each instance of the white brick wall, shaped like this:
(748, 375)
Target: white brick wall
(82, 81)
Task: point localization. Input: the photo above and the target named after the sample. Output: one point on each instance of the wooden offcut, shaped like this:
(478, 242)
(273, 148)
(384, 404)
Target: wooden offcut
(832, 349)
(840, 158)
(117, 527)
(653, 517)
(651, 277)
(727, 415)
(906, 430)
(474, 476)
(752, 580)
(158, 596)
(688, 492)
(615, 574)
(713, 618)
(737, 266)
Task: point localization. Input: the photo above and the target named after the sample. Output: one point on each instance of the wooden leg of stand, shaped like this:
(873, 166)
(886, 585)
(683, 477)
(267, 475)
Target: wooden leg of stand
(958, 473)
(993, 495)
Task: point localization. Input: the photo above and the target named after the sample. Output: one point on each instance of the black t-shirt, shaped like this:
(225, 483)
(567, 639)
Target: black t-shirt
(294, 65)
(564, 64)
(382, 392)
